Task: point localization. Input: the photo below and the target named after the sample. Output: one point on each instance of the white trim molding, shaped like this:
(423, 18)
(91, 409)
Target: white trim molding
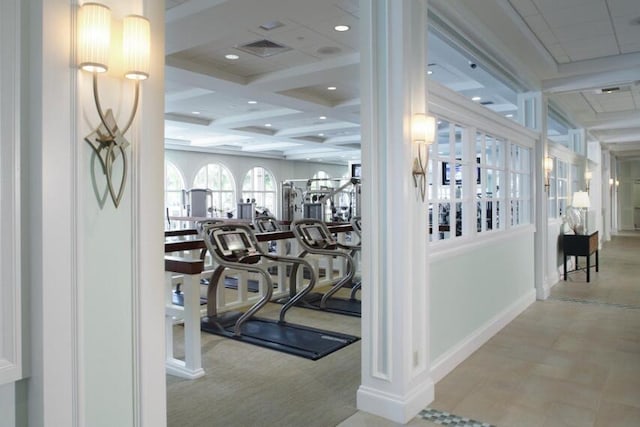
(466, 347)
(11, 366)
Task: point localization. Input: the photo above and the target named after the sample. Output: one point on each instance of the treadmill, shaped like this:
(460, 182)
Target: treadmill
(315, 238)
(235, 246)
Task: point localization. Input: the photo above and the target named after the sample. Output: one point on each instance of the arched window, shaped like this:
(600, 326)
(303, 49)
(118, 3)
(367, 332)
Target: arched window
(217, 178)
(259, 184)
(173, 186)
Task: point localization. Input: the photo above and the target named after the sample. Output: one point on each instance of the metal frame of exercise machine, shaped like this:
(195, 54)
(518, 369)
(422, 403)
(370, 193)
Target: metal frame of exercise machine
(235, 246)
(315, 238)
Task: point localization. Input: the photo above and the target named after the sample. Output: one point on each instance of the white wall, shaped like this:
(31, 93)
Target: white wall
(628, 192)
(475, 290)
(7, 405)
(190, 162)
(89, 263)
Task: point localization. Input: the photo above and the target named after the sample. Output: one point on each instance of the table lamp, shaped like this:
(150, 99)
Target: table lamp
(581, 201)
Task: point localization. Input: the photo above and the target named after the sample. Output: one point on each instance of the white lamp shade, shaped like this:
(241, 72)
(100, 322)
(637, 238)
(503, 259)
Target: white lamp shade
(423, 128)
(548, 164)
(94, 37)
(581, 199)
(136, 46)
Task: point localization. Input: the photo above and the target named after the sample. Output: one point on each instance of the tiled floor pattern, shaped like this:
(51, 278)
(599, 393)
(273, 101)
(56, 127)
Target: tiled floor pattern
(447, 419)
(572, 360)
(581, 301)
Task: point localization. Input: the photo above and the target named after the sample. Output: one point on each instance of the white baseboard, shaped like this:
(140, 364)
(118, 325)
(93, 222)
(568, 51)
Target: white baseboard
(397, 408)
(457, 354)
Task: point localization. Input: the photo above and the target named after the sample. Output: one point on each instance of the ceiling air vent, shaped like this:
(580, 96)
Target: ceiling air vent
(263, 48)
(609, 89)
(271, 25)
(486, 103)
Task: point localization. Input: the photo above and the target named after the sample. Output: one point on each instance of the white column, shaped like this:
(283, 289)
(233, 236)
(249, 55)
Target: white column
(396, 382)
(534, 113)
(607, 194)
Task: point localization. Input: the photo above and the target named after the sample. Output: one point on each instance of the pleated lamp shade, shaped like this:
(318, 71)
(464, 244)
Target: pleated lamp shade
(94, 37)
(136, 47)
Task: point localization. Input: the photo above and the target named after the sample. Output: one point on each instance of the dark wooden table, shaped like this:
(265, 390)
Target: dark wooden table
(580, 245)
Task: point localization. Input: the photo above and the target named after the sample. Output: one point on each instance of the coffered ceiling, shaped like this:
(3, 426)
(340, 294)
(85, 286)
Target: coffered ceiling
(290, 89)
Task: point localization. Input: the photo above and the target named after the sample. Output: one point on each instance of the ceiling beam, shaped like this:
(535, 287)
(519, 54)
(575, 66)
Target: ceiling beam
(309, 74)
(617, 120)
(201, 80)
(589, 81)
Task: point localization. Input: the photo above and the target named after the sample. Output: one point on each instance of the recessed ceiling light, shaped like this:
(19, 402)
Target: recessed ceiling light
(323, 117)
(332, 88)
(308, 158)
(232, 56)
(321, 134)
(509, 115)
(342, 28)
(267, 125)
(252, 102)
(429, 72)
(476, 98)
(195, 112)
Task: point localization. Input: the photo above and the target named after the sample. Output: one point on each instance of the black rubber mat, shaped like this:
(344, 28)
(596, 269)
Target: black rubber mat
(289, 338)
(344, 306)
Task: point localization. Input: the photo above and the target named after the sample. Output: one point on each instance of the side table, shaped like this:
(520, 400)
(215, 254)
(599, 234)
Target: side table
(580, 245)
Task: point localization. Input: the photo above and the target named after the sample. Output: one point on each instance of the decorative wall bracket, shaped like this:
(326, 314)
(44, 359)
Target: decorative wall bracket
(419, 171)
(109, 144)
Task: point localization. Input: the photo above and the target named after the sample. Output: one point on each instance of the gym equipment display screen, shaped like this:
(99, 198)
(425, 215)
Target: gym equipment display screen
(315, 234)
(235, 241)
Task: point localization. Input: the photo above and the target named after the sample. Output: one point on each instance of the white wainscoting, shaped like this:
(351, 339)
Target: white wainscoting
(10, 280)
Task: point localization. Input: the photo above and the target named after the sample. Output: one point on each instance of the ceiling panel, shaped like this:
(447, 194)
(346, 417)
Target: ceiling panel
(290, 88)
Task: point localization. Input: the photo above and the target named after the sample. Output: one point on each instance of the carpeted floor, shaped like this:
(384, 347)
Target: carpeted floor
(247, 385)
(572, 360)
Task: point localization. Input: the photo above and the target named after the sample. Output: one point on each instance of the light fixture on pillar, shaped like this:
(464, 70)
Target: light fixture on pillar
(423, 130)
(587, 178)
(610, 182)
(93, 49)
(548, 168)
(617, 185)
(582, 203)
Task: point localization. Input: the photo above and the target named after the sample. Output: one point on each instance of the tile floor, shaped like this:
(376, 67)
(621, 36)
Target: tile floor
(573, 360)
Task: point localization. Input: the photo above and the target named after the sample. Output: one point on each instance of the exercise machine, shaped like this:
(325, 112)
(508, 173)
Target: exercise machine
(327, 199)
(315, 238)
(266, 224)
(234, 246)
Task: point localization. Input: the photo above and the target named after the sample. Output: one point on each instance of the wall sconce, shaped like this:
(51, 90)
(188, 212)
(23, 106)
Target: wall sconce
(423, 131)
(587, 177)
(548, 168)
(94, 49)
(610, 182)
(617, 185)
